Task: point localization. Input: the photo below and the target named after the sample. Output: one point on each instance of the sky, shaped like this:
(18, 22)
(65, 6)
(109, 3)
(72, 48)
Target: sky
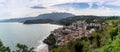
(25, 8)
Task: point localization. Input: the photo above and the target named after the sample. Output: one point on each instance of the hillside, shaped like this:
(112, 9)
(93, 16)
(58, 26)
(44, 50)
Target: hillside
(69, 20)
(52, 16)
(96, 35)
(64, 21)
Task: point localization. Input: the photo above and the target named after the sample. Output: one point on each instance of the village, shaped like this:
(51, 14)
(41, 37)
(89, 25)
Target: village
(75, 31)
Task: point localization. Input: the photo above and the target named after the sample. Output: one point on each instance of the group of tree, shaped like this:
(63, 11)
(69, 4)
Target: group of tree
(20, 48)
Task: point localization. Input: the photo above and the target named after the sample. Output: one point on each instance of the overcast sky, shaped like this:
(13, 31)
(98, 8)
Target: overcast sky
(23, 8)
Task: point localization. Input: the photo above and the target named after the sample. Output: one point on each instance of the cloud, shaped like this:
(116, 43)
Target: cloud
(46, 3)
(22, 8)
(72, 5)
(113, 3)
(37, 7)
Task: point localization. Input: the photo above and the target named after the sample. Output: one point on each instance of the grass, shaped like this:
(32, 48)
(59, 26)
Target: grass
(110, 21)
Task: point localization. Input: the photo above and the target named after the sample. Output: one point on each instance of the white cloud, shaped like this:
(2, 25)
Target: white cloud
(53, 2)
(98, 12)
(21, 8)
(114, 3)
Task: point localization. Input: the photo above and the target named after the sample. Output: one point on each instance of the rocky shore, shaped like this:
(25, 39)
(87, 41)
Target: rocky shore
(65, 34)
(42, 48)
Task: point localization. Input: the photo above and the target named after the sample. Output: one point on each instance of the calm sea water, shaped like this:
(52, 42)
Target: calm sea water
(13, 33)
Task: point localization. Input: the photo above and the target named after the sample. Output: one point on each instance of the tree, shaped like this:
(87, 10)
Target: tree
(3, 48)
(23, 48)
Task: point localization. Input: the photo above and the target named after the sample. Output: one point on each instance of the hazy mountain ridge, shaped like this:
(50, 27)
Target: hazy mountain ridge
(69, 20)
(52, 16)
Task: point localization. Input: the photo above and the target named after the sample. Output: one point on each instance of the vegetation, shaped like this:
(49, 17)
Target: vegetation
(92, 43)
(64, 21)
(50, 41)
(105, 40)
(3, 48)
(38, 21)
(23, 48)
(20, 48)
(113, 46)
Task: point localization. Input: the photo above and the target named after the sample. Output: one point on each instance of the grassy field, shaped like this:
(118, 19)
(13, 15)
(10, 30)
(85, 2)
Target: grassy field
(110, 21)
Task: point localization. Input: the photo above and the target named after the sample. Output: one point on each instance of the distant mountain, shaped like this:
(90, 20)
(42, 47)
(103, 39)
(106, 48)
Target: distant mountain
(38, 21)
(64, 21)
(52, 16)
(70, 20)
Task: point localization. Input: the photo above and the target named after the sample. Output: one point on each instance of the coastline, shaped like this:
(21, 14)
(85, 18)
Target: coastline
(43, 47)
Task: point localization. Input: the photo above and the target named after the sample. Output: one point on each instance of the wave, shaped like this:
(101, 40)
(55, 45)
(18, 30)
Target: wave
(42, 47)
